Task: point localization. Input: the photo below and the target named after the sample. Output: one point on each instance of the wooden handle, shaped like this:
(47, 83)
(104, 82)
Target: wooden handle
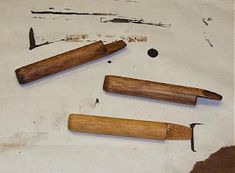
(128, 127)
(66, 60)
(156, 90)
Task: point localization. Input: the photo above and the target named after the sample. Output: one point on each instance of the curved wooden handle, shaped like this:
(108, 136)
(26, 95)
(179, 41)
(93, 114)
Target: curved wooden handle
(127, 127)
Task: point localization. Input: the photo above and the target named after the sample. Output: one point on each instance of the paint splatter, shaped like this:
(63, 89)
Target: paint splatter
(208, 40)
(97, 101)
(72, 13)
(206, 21)
(152, 53)
(85, 38)
(39, 17)
(135, 21)
(32, 42)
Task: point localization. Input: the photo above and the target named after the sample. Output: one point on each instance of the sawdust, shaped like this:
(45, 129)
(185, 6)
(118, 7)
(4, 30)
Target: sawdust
(136, 39)
(76, 37)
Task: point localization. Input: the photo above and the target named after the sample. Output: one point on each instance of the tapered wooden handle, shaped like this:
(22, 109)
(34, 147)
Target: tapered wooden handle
(128, 127)
(66, 60)
(156, 90)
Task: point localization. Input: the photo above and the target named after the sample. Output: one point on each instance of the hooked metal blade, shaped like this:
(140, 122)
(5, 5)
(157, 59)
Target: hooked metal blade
(192, 139)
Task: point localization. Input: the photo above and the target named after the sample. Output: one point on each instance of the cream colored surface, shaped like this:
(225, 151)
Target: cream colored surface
(33, 118)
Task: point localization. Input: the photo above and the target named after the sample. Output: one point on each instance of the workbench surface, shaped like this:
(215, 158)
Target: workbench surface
(194, 40)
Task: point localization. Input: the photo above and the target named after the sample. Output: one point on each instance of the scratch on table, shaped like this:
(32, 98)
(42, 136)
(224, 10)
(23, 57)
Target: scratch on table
(134, 21)
(21, 140)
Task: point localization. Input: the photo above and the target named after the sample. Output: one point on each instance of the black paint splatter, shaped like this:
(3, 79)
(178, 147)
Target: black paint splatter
(39, 17)
(109, 62)
(204, 21)
(207, 20)
(51, 8)
(136, 21)
(97, 101)
(152, 53)
(208, 40)
(71, 13)
(32, 42)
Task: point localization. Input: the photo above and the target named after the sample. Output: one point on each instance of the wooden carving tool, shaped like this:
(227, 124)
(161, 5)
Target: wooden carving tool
(130, 128)
(66, 60)
(156, 90)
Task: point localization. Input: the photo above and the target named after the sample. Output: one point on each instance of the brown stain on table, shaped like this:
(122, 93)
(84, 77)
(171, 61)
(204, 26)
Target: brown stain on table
(21, 140)
(222, 161)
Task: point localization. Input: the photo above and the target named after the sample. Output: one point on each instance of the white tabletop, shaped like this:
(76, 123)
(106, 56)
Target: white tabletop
(195, 47)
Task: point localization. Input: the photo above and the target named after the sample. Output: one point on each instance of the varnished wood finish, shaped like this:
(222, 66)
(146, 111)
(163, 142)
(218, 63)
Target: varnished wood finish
(156, 90)
(128, 127)
(66, 60)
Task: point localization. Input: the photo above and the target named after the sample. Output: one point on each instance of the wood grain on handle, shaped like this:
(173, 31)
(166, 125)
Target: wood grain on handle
(66, 60)
(128, 127)
(156, 90)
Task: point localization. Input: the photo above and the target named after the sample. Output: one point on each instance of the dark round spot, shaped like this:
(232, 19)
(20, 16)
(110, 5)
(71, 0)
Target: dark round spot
(51, 8)
(109, 62)
(152, 53)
